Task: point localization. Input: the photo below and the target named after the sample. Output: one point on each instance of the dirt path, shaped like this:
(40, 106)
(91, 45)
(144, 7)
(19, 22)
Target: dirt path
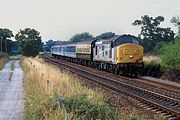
(11, 92)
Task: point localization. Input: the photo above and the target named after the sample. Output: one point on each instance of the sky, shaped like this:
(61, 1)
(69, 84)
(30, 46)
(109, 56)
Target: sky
(61, 19)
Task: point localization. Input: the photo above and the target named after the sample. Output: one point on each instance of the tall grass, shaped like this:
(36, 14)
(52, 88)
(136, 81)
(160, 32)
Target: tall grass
(152, 59)
(44, 84)
(152, 66)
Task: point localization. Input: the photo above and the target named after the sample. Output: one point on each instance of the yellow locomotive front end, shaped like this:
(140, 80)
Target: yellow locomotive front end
(130, 53)
(129, 58)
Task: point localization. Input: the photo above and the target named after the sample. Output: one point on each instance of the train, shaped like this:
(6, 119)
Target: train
(120, 54)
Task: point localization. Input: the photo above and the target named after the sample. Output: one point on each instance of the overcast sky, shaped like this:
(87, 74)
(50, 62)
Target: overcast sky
(61, 19)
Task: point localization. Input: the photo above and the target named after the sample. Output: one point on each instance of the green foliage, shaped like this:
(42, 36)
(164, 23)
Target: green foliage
(77, 107)
(48, 45)
(83, 109)
(15, 48)
(176, 21)
(152, 33)
(131, 118)
(3, 55)
(105, 35)
(5, 42)
(29, 41)
(17, 57)
(171, 55)
(81, 37)
(157, 48)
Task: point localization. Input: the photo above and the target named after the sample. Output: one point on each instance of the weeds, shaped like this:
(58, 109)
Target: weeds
(152, 66)
(44, 84)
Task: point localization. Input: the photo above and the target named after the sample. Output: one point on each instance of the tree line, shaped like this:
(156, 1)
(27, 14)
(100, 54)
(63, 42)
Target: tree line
(29, 43)
(152, 37)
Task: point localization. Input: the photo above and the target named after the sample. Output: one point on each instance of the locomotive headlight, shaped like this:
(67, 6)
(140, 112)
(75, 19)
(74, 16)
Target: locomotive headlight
(130, 56)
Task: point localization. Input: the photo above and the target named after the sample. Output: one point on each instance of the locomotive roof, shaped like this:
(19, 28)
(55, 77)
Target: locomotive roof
(64, 45)
(117, 39)
(108, 40)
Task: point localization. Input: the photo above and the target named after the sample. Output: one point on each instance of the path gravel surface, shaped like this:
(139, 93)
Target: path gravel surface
(11, 92)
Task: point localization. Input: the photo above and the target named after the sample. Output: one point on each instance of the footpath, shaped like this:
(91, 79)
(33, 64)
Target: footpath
(11, 91)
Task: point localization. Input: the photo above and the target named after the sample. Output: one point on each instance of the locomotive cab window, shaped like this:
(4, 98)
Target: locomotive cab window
(125, 39)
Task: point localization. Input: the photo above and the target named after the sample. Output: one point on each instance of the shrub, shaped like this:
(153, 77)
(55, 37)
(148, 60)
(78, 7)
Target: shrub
(157, 48)
(171, 55)
(79, 107)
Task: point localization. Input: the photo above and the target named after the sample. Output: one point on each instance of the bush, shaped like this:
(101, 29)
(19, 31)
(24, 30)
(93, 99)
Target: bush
(170, 55)
(157, 48)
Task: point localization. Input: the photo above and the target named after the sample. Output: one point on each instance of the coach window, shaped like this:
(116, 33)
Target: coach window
(103, 48)
(106, 53)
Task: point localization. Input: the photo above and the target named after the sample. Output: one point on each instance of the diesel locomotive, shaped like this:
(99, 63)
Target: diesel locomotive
(121, 54)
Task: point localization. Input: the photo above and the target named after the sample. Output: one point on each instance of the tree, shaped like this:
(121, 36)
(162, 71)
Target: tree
(5, 42)
(15, 48)
(105, 35)
(176, 21)
(29, 41)
(81, 37)
(48, 45)
(151, 32)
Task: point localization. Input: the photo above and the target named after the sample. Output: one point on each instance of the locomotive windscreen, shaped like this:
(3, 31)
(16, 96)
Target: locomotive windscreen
(125, 39)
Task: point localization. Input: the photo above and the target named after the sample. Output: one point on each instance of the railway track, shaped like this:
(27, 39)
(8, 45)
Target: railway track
(167, 106)
(161, 87)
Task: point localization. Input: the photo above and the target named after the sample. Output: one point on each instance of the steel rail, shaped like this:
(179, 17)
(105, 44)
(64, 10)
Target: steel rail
(165, 103)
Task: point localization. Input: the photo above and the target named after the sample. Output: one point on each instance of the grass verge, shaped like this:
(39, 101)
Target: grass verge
(53, 94)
